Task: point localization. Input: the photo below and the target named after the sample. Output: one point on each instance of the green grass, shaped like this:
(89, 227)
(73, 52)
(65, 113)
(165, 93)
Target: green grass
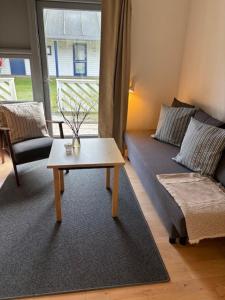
(24, 90)
(53, 95)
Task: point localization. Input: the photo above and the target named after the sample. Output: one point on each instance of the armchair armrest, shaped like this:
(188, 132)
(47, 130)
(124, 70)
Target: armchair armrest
(5, 138)
(4, 131)
(60, 123)
(55, 121)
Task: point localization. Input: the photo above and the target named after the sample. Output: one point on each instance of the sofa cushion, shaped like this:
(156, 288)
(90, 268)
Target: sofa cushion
(203, 117)
(33, 149)
(202, 147)
(157, 156)
(178, 103)
(220, 170)
(173, 123)
(150, 158)
(25, 120)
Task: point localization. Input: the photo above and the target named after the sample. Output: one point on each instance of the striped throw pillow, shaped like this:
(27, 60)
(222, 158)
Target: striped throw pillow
(173, 123)
(202, 147)
(25, 120)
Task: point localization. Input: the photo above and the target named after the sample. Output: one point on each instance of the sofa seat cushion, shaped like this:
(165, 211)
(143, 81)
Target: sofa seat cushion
(33, 149)
(150, 157)
(157, 156)
(220, 171)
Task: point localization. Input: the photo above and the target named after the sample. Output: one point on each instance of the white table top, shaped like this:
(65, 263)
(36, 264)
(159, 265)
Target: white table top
(93, 152)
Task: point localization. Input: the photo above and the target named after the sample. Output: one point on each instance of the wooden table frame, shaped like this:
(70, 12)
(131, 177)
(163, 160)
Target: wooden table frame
(58, 175)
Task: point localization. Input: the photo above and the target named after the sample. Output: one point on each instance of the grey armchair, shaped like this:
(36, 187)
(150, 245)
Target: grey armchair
(28, 150)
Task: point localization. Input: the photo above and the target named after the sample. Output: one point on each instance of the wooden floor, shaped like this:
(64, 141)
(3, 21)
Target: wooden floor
(196, 272)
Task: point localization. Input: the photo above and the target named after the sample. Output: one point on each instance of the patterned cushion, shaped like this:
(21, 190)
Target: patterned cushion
(173, 123)
(25, 120)
(202, 147)
(3, 122)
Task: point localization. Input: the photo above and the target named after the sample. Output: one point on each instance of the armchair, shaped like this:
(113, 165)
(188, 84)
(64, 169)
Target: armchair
(27, 150)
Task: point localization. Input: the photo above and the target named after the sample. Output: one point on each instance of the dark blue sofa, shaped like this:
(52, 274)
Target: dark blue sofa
(150, 157)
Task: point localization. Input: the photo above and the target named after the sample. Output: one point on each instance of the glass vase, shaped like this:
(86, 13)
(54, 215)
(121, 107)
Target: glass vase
(75, 141)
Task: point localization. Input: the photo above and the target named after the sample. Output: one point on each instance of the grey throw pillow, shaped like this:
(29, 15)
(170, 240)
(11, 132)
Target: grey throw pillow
(203, 117)
(173, 123)
(178, 103)
(202, 147)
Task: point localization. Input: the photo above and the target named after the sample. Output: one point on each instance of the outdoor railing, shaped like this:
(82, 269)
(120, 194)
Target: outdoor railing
(7, 89)
(73, 92)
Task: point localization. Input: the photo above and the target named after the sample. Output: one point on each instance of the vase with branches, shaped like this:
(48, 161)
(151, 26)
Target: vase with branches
(74, 116)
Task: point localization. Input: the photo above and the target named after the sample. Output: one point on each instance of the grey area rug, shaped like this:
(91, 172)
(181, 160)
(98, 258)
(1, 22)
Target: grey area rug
(89, 250)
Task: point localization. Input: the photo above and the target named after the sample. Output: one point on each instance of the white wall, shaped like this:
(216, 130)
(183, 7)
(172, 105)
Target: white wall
(93, 58)
(65, 58)
(202, 80)
(14, 24)
(5, 69)
(158, 36)
(51, 59)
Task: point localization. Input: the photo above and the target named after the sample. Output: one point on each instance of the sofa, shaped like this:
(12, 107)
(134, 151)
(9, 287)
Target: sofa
(150, 157)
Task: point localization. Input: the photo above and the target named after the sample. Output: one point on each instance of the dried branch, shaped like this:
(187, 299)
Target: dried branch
(77, 116)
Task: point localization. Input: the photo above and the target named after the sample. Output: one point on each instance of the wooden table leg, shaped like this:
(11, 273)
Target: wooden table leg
(57, 185)
(107, 178)
(115, 191)
(61, 181)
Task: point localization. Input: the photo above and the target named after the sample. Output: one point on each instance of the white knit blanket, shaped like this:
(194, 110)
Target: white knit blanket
(202, 202)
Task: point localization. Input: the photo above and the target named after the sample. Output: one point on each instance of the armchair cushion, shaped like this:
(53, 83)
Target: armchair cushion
(25, 120)
(30, 150)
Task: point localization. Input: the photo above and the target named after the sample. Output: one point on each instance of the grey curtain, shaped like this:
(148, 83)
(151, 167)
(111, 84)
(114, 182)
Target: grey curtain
(114, 69)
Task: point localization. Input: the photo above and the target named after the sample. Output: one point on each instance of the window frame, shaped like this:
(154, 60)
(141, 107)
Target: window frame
(94, 5)
(49, 50)
(22, 54)
(75, 61)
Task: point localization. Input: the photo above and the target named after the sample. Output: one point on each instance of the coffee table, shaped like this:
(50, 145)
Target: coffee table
(92, 153)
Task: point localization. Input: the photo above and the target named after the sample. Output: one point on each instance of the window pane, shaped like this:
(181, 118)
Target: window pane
(15, 79)
(73, 66)
(80, 52)
(80, 68)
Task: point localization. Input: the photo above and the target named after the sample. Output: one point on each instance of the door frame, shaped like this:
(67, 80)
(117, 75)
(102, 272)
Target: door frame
(94, 5)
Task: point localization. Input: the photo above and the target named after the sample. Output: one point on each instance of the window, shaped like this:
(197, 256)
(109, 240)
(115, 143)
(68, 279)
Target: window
(49, 50)
(15, 79)
(80, 59)
(73, 68)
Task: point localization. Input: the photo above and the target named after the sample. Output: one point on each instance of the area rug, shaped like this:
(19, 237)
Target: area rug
(89, 250)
